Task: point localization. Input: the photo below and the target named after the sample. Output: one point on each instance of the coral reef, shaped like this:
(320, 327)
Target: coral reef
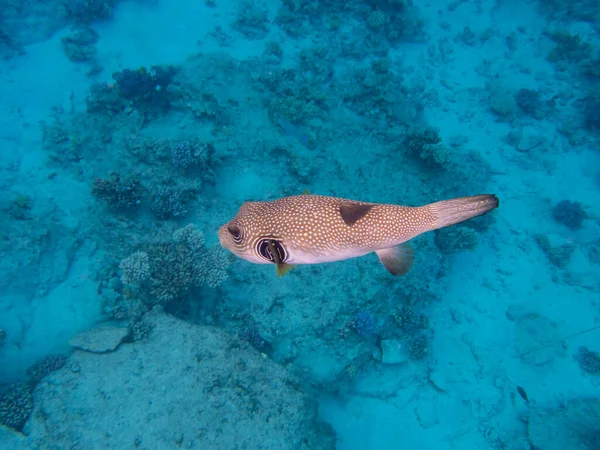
(252, 19)
(45, 367)
(80, 44)
(16, 399)
(16, 404)
(364, 324)
(187, 154)
(570, 214)
(426, 144)
(143, 90)
(570, 48)
(529, 101)
(140, 329)
(87, 11)
(456, 239)
(418, 348)
(254, 338)
(145, 85)
(119, 194)
(169, 202)
(20, 207)
(135, 269)
(165, 272)
(409, 321)
(588, 360)
(592, 113)
(558, 253)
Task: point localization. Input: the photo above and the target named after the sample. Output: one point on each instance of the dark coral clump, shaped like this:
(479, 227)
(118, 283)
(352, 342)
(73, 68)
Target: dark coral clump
(145, 86)
(418, 348)
(254, 338)
(559, 255)
(140, 329)
(119, 195)
(175, 271)
(529, 101)
(20, 207)
(411, 322)
(80, 44)
(364, 324)
(183, 154)
(169, 203)
(571, 214)
(87, 11)
(146, 90)
(186, 154)
(588, 360)
(592, 114)
(456, 239)
(16, 404)
(426, 144)
(45, 367)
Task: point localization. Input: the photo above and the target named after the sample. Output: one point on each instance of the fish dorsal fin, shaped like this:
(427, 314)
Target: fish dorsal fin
(397, 260)
(352, 212)
(305, 192)
(282, 269)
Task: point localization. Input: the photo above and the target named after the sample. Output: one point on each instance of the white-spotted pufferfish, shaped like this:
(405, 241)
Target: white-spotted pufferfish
(313, 229)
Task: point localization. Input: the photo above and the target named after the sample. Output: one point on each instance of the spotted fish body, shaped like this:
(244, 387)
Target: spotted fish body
(313, 229)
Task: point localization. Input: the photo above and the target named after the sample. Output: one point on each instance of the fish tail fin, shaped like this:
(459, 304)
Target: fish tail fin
(456, 210)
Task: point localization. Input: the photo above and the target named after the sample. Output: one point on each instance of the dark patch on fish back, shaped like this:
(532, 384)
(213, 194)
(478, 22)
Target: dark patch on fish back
(352, 212)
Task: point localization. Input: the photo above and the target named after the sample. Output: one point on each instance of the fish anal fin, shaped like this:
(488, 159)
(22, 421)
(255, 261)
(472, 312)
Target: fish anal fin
(397, 260)
(352, 212)
(282, 269)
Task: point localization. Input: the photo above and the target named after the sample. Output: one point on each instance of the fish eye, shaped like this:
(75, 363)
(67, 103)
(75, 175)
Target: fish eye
(265, 247)
(236, 232)
(264, 251)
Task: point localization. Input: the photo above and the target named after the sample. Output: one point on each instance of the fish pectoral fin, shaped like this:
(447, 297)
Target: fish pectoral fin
(397, 260)
(282, 268)
(352, 212)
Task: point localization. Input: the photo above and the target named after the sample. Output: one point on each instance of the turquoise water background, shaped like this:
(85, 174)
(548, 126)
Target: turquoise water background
(130, 131)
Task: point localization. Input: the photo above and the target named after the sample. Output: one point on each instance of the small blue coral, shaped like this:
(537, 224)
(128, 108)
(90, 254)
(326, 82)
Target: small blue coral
(364, 324)
(571, 214)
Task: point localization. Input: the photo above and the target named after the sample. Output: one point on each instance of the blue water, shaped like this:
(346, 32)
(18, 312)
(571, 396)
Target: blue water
(130, 131)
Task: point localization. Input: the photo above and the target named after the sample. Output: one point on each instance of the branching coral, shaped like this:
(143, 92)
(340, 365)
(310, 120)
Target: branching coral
(169, 203)
(426, 144)
(135, 269)
(45, 367)
(364, 324)
(118, 194)
(168, 271)
(16, 404)
(186, 154)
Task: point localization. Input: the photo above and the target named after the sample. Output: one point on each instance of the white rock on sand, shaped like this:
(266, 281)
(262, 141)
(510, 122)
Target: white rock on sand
(100, 340)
